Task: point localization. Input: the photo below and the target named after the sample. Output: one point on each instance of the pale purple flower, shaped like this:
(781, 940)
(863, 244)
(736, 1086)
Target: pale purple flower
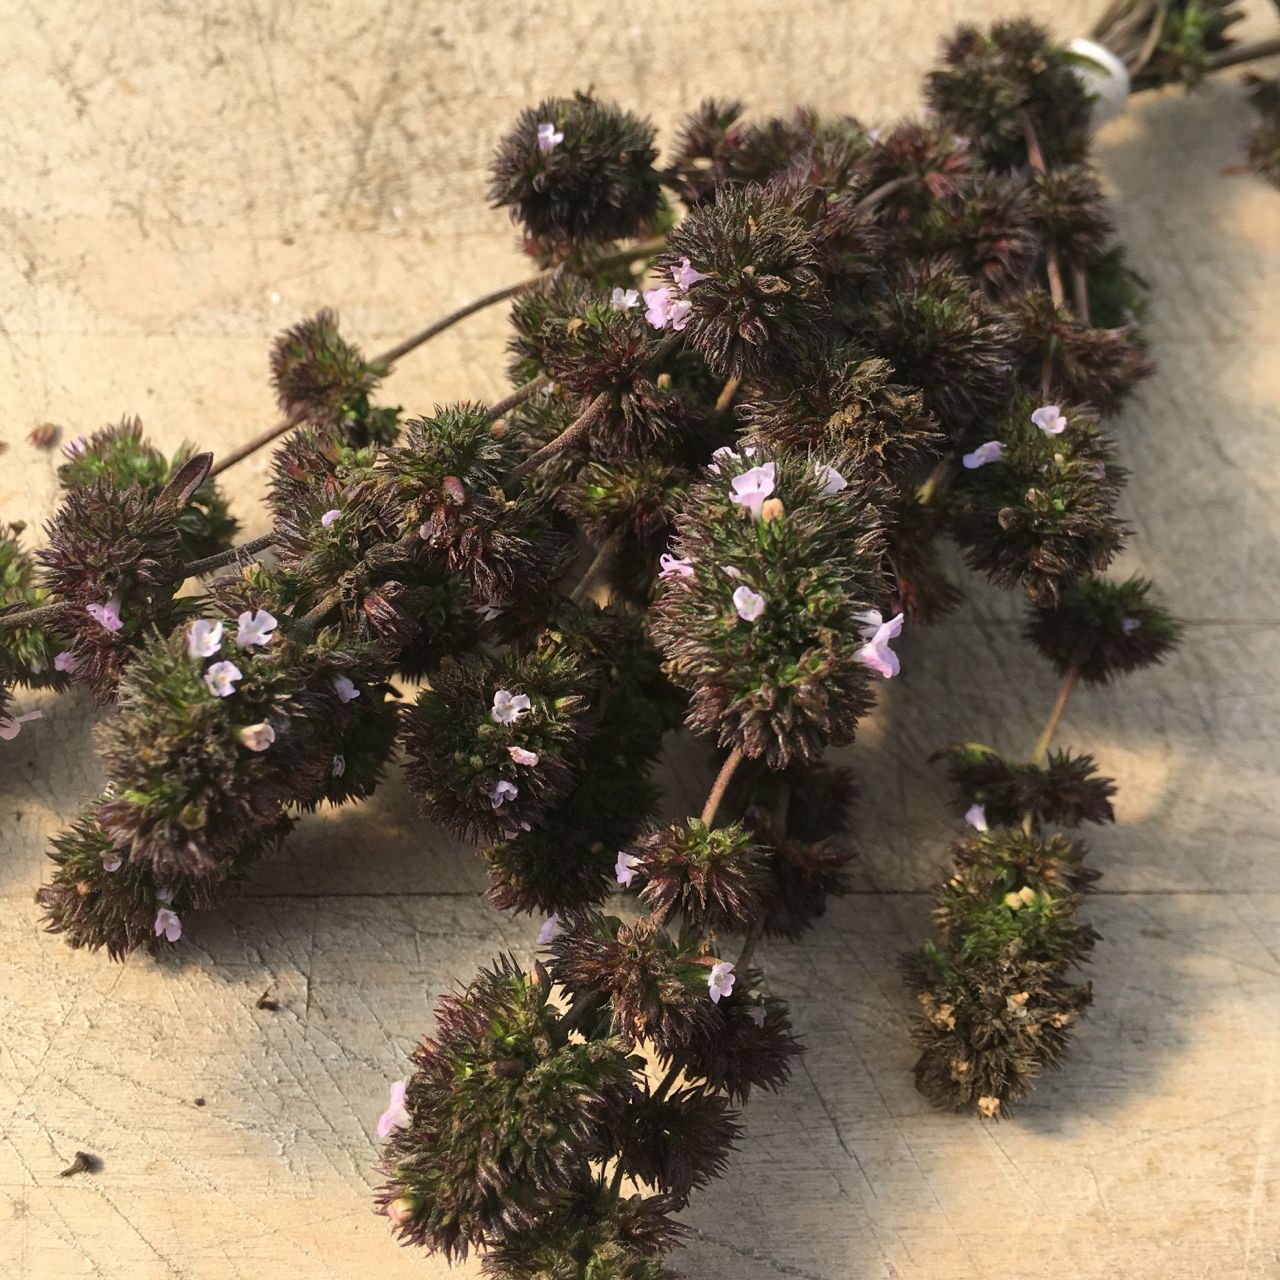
(670, 567)
(76, 448)
(339, 766)
(752, 487)
(396, 1116)
(221, 678)
(830, 479)
(1129, 625)
(11, 726)
(346, 691)
(720, 980)
(550, 926)
(501, 792)
(624, 299)
(257, 627)
(1098, 470)
(424, 532)
(625, 869)
(549, 137)
(749, 604)
(685, 276)
(488, 612)
(329, 517)
(110, 861)
(521, 756)
(107, 613)
(725, 454)
(680, 313)
(656, 302)
(1050, 420)
(204, 639)
(508, 707)
(65, 661)
(877, 633)
(168, 924)
(756, 1014)
(976, 816)
(257, 737)
(992, 451)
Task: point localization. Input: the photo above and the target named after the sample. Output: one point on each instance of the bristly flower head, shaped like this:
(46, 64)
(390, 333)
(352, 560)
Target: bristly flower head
(121, 456)
(505, 1114)
(1103, 629)
(36, 656)
(1072, 213)
(325, 381)
(942, 335)
(786, 681)
(460, 733)
(996, 1007)
(114, 557)
(845, 404)
(758, 299)
(1043, 514)
(990, 81)
(596, 183)
(1065, 791)
(711, 875)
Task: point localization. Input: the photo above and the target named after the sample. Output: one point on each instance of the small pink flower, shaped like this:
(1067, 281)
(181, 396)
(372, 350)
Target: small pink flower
(984, 453)
(501, 792)
(670, 567)
(756, 1014)
(749, 604)
(257, 737)
(346, 691)
(830, 479)
(1050, 420)
(76, 448)
(720, 980)
(257, 627)
(11, 726)
(1098, 470)
(976, 816)
(168, 924)
(65, 661)
(625, 869)
(339, 766)
(110, 861)
(1129, 625)
(624, 299)
(752, 487)
(685, 276)
(679, 313)
(549, 137)
(221, 678)
(521, 756)
(204, 639)
(108, 614)
(396, 1116)
(508, 707)
(657, 303)
(877, 633)
(329, 517)
(550, 926)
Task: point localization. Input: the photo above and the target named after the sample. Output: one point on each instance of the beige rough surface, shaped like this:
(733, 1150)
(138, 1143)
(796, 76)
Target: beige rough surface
(181, 180)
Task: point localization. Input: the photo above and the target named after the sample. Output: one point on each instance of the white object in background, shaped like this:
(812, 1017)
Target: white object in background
(1104, 75)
